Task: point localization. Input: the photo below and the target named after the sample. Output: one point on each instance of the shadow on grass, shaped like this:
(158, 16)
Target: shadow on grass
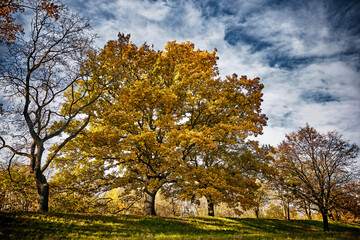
(300, 226)
(66, 226)
(76, 226)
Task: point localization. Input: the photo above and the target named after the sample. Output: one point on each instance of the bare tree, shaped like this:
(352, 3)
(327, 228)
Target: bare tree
(39, 73)
(317, 167)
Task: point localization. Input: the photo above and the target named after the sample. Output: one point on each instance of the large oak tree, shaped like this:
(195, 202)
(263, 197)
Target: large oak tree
(161, 107)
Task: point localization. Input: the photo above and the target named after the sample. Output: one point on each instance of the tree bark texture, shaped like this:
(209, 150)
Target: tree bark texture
(149, 202)
(43, 192)
(324, 214)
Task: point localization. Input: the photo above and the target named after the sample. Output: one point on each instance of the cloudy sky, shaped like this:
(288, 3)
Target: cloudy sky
(307, 53)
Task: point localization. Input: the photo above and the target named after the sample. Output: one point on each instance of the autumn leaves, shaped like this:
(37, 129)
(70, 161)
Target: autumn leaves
(164, 110)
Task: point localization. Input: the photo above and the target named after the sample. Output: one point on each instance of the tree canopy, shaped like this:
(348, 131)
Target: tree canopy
(318, 167)
(162, 107)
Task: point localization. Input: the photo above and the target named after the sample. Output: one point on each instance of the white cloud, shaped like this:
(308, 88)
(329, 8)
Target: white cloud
(292, 31)
(296, 32)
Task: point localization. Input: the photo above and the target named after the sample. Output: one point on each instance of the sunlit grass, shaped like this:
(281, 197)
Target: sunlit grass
(88, 226)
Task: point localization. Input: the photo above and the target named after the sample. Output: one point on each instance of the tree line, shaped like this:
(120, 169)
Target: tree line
(131, 123)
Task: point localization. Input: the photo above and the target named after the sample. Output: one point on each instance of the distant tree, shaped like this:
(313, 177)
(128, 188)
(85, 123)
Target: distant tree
(17, 190)
(274, 211)
(260, 197)
(347, 207)
(79, 192)
(38, 71)
(282, 193)
(305, 206)
(230, 175)
(318, 167)
(161, 107)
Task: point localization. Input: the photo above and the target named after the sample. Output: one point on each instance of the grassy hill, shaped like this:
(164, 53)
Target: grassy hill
(87, 226)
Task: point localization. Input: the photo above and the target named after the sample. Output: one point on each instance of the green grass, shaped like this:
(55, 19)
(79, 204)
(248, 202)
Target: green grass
(87, 226)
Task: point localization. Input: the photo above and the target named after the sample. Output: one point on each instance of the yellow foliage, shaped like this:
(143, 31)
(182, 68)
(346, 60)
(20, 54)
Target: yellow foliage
(162, 107)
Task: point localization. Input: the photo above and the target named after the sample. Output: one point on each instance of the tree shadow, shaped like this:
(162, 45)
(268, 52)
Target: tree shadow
(71, 225)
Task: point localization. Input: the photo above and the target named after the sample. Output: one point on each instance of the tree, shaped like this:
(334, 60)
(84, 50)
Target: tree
(16, 188)
(318, 167)
(348, 206)
(279, 183)
(230, 174)
(260, 198)
(163, 106)
(274, 211)
(36, 75)
(305, 206)
(83, 189)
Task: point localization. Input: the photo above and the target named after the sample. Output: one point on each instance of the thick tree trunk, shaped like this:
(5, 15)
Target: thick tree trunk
(211, 211)
(43, 192)
(149, 202)
(324, 214)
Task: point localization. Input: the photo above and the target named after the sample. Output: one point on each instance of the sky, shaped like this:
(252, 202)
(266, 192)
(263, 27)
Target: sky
(306, 53)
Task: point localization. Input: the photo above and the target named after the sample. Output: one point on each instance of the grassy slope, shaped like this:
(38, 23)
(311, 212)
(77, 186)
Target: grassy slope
(86, 226)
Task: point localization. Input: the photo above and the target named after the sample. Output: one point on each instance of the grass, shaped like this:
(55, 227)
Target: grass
(88, 226)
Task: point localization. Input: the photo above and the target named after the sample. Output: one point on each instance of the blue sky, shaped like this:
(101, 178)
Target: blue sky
(307, 53)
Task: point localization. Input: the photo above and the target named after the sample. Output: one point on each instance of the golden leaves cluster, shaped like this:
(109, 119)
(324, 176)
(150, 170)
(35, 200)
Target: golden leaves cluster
(161, 107)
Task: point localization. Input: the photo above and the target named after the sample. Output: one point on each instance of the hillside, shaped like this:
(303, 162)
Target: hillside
(86, 226)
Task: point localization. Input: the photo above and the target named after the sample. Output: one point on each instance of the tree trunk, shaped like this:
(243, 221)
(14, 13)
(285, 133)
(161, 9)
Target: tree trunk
(149, 202)
(211, 211)
(324, 214)
(43, 192)
(256, 210)
(307, 210)
(288, 210)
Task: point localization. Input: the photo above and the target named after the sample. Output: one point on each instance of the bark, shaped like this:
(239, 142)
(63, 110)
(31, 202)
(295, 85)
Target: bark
(307, 210)
(211, 211)
(43, 192)
(288, 210)
(324, 214)
(149, 202)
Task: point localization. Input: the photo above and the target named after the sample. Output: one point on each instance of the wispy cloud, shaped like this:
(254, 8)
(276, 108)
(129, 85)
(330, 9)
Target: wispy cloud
(305, 52)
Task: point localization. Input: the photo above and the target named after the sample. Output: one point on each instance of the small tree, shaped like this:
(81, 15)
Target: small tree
(38, 71)
(318, 167)
(17, 190)
(229, 175)
(260, 198)
(279, 184)
(348, 207)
